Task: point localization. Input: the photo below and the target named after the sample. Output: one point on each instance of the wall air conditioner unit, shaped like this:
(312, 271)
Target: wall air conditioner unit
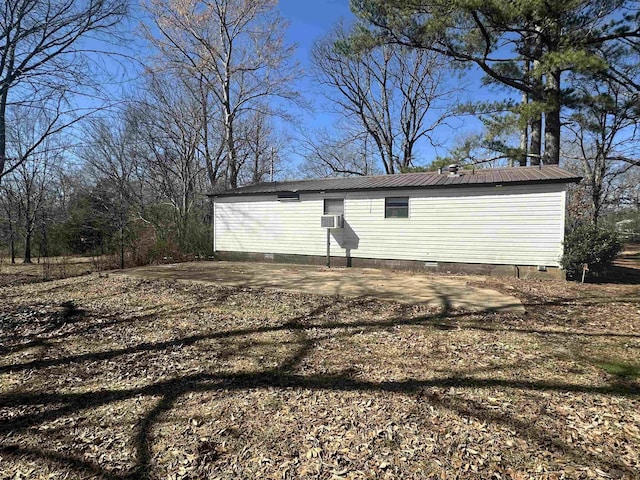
(331, 221)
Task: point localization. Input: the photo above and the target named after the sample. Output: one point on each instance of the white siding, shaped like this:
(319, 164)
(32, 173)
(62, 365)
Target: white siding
(521, 225)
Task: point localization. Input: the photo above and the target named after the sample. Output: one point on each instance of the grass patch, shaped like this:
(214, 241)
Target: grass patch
(620, 369)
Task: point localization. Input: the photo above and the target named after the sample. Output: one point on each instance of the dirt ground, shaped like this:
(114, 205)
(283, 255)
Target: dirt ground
(447, 292)
(114, 377)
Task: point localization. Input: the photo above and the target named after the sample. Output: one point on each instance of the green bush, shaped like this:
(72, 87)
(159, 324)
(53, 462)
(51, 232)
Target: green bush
(595, 246)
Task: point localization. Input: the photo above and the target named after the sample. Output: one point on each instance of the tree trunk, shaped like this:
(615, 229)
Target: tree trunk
(122, 219)
(524, 133)
(407, 152)
(524, 140)
(3, 131)
(597, 187)
(391, 161)
(44, 240)
(256, 169)
(595, 199)
(552, 120)
(535, 150)
(13, 246)
(232, 158)
(27, 246)
(212, 169)
(552, 101)
(121, 245)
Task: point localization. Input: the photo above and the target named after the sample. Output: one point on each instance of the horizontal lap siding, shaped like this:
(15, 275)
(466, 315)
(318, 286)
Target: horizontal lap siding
(264, 224)
(507, 225)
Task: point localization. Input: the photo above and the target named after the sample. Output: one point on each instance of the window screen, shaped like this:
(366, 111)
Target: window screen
(396, 207)
(334, 206)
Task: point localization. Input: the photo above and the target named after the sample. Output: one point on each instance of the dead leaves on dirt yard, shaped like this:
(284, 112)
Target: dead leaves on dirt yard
(113, 378)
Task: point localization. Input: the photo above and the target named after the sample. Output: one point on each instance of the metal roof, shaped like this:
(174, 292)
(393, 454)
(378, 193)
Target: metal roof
(464, 178)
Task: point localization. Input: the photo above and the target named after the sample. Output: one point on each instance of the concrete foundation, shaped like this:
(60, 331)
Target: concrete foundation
(519, 271)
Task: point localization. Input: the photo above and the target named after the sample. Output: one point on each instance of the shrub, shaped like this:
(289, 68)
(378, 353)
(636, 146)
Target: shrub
(586, 243)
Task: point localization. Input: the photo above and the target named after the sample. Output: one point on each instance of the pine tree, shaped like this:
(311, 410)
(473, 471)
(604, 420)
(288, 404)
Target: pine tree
(553, 37)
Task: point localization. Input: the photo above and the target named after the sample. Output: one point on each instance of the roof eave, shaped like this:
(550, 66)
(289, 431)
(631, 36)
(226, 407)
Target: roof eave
(424, 187)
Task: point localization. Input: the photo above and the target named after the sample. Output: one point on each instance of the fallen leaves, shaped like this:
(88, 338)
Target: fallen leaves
(121, 378)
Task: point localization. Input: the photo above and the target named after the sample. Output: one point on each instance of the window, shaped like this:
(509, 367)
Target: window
(334, 206)
(288, 196)
(396, 207)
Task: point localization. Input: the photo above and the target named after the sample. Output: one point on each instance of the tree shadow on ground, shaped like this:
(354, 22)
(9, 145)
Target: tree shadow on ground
(51, 405)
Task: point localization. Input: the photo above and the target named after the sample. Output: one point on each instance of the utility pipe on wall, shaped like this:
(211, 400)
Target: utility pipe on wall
(328, 248)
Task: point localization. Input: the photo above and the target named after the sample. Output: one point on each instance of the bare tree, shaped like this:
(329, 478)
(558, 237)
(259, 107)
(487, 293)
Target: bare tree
(42, 59)
(395, 94)
(261, 148)
(111, 157)
(171, 128)
(329, 155)
(234, 48)
(603, 131)
(30, 179)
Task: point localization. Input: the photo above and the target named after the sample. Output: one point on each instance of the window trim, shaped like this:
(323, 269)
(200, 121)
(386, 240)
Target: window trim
(387, 207)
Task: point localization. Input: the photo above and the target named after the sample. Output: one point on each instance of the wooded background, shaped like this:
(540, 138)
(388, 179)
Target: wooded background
(92, 165)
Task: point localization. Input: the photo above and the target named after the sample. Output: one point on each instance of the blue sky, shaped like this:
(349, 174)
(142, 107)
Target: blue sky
(311, 19)
(308, 21)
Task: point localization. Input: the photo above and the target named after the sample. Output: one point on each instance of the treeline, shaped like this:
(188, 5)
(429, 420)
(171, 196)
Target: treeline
(123, 198)
(136, 187)
(130, 177)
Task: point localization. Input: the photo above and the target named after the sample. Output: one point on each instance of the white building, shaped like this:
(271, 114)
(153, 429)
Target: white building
(501, 221)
